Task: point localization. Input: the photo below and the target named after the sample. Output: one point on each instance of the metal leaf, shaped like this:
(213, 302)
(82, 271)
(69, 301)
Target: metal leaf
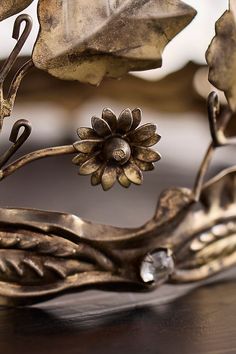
(90, 166)
(80, 158)
(143, 133)
(101, 127)
(29, 268)
(84, 44)
(109, 177)
(25, 254)
(221, 55)
(30, 257)
(146, 154)
(12, 7)
(110, 118)
(153, 140)
(124, 181)
(137, 117)
(133, 173)
(86, 133)
(48, 245)
(96, 177)
(144, 166)
(87, 146)
(125, 121)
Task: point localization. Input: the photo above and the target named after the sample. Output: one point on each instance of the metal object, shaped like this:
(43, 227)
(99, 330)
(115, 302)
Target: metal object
(7, 101)
(191, 236)
(221, 55)
(17, 141)
(9, 8)
(117, 149)
(77, 49)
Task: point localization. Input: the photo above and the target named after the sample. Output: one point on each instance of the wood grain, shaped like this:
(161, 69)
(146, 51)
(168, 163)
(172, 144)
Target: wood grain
(202, 322)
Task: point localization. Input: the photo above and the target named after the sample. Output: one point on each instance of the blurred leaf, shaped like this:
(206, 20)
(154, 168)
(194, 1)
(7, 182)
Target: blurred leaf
(86, 40)
(12, 7)
(221, 55)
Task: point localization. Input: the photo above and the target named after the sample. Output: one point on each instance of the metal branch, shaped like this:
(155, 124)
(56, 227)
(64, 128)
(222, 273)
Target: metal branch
(218, 121)
(202, 172)
(16, 83)
(19, 45)
(36, 155)
(7, 104)
(16, 139)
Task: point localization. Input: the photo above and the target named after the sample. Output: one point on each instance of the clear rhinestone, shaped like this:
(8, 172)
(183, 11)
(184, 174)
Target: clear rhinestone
(157, 266)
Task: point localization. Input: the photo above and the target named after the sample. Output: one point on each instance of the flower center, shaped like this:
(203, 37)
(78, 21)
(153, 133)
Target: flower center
(117, 150)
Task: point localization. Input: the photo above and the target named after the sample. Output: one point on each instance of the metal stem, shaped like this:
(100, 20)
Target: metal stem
(218, 121)
(36, 155)
(17, 81)
(202, 172)
(16, 139)
(19, 45)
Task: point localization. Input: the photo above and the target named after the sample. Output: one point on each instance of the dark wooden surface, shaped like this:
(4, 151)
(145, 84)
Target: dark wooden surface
(202, 322)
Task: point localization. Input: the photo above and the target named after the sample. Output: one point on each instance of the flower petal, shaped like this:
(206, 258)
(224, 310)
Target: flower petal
(90, 166)
(137, 117)
(110, 118)
(143, 133)
(133, 173)
(125, 121)
(151, 141)
(101, 127)
(80, 158)
(87, 133)
(144, 166)
(146, 154)
(109, 177)
(123, 180)
(96, 177)
(87, 146)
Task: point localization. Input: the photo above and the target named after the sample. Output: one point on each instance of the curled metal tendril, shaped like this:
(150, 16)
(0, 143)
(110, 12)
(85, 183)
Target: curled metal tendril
(17, 139)
(218, 121)
(21, 39)
(7, 102)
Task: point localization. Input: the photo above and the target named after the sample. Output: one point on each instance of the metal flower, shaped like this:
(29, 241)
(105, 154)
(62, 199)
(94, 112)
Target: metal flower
(116, 148)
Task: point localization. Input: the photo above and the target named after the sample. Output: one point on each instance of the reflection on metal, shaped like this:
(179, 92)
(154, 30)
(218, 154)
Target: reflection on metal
(191, 236)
